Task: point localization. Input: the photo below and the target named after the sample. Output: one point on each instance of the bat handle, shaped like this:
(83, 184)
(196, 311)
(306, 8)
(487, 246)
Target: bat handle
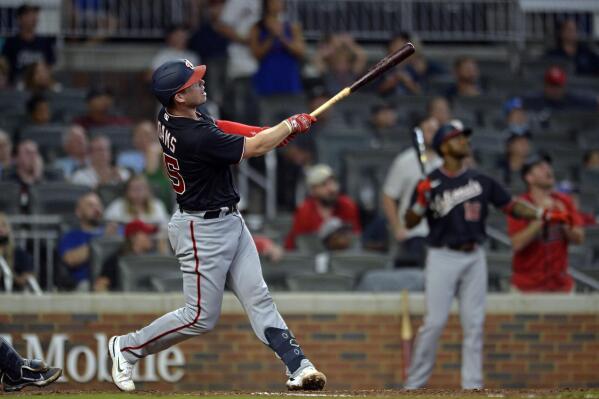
(339, 96)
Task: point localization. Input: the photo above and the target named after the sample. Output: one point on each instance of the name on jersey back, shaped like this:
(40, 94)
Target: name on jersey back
(165, 136)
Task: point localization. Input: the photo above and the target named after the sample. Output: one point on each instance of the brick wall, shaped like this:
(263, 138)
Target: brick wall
(356, 351)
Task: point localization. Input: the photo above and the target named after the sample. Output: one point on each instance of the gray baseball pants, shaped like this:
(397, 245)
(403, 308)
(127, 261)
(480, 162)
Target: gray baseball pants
(211, 252)
(452, 273)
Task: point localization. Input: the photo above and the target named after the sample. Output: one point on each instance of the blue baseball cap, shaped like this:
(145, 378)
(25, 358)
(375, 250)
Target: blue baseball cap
(447, 131)
(512, 104)
(173, 76)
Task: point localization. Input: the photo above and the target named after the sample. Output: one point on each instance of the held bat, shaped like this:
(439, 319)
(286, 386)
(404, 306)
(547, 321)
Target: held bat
(381, 67)
(418, 142)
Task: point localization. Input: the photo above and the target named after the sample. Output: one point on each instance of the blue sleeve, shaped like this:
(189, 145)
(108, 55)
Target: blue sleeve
(498, 195)
(219, 147)
(70, 240)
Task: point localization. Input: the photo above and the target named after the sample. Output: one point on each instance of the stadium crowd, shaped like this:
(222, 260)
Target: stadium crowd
(535, 130)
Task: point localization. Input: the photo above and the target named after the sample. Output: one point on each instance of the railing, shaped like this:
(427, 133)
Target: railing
(432, 20)
(508, 21)
(39, 234)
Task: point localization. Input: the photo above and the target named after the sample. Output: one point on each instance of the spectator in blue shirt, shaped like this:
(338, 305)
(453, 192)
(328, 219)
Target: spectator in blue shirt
(74, 246)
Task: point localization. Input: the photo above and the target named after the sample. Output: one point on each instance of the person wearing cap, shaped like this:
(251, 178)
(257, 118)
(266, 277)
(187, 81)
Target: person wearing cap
(139, 240)
(557, 97)
(540, 258)
(26, 46)
(401, 179)
(336, 235)
(100, 101)
(324, 202)
(454, 200)
(207, 233)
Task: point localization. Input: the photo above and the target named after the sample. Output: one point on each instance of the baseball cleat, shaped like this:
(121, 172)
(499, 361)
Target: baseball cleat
(309, 379)
(39, 378)
(121, 368)
(35, 365)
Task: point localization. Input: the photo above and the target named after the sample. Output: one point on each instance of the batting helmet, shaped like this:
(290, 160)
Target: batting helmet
(173, 76)
(448, 131)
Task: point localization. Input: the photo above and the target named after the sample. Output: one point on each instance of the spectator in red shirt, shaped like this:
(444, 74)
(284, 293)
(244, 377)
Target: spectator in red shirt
(323, 203)
(540, 261)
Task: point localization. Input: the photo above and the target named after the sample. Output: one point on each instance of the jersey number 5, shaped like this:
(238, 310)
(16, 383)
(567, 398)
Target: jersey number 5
(172, 168)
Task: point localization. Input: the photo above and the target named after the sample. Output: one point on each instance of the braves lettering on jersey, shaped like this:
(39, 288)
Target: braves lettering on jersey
(459, 206)
(197, 156)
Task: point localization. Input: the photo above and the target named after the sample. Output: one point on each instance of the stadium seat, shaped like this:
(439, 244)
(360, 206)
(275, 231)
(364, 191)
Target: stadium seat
(47, 137)
(102, 248)
(56, 197)
(275, 273)
(120, 136)
(309, 243)
(135, 271)
(357, 263)
(172, 283)
(9, 197)
(68, 103)
(411, 279)
(273, 109)
(321, 282)
(109, 192)
(499, 266)
(13, 100)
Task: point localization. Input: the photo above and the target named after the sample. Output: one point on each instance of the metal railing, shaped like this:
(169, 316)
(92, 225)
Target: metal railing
(506, 21)
(39, 234)
(432, 20)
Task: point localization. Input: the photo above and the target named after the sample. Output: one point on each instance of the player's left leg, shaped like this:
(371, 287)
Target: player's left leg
(472, 297)
(246, 281)
(17, 372)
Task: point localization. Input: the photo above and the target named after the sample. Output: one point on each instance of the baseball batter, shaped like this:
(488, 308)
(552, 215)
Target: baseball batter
(207, 233)
(455, 199)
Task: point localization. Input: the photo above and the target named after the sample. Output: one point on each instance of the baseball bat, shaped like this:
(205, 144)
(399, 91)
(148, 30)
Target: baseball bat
(406, 333)
(381, 67)
(418, 142)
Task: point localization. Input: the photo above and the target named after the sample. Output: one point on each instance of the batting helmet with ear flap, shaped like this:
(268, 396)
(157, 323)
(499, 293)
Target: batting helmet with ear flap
(173, 76)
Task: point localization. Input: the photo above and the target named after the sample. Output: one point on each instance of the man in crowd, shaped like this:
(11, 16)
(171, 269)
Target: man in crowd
(540, 261)
(26, 47)
(323, 203)
(74, 247)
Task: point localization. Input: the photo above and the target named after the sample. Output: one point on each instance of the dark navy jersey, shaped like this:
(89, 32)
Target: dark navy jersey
(459, 206)
(197, 156)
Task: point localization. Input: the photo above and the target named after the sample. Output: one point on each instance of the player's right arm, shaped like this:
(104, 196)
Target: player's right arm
(270, 138)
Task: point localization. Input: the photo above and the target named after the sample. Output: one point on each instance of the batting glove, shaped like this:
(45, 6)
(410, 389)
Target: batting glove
(557, 217)
(423, 192)
(299, 123)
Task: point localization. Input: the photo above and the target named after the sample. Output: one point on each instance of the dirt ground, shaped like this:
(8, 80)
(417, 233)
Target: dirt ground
(421, 394)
